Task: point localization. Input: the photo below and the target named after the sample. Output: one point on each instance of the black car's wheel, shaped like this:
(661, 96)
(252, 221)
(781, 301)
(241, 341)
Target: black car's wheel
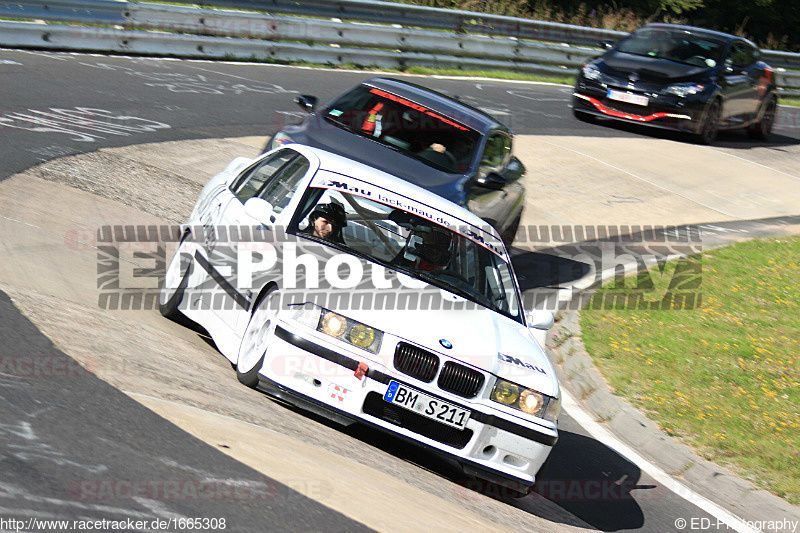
(254, 341)
(709, 127)
(173, 287)
(763, 127)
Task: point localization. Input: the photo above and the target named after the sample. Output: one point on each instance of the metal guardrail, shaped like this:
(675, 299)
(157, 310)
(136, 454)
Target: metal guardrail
(91, 12)
(156, 29)
(453, 20)
(61, 37)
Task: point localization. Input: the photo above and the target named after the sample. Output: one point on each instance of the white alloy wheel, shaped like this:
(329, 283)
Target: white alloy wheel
(255, 340)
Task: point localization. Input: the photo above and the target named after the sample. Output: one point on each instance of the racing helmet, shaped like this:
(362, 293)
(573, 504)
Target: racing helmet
(332, 211)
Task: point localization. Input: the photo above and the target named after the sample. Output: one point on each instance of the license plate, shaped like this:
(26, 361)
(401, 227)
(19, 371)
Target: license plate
(627, 97)
(427, 406)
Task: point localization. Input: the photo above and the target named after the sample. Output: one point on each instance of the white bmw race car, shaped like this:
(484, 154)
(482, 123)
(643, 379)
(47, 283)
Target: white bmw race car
(359, 296)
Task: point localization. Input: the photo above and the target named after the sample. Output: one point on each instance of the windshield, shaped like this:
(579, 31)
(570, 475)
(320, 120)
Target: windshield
(681, 46)
(404, 126)
(409, 243)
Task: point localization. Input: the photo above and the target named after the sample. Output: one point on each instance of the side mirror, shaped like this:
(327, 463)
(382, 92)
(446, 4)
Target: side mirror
(259, 209)
(539, 319)
(606, 44)
(306, 102)
(492, 180)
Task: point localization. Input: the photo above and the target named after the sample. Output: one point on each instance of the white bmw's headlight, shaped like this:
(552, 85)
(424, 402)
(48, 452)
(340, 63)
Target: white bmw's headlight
(526, 400)
(279, 139)
(591, 72)
(684, 89)
(339, 326)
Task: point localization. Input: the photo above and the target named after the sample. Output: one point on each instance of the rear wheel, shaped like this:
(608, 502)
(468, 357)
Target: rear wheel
(255, 340)
(709, 127)
(763, 127)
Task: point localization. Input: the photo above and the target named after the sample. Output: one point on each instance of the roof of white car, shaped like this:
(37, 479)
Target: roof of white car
(342, 165)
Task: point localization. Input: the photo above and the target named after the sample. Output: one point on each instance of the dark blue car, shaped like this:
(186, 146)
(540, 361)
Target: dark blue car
(427, 138)
(682, 78)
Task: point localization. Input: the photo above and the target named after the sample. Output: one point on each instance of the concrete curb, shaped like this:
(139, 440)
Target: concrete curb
(577, 373)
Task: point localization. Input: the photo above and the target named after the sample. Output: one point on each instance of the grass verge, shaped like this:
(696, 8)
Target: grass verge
(723, 377)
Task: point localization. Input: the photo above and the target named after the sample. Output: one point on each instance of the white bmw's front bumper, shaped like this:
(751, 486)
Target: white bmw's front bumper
(321, 375)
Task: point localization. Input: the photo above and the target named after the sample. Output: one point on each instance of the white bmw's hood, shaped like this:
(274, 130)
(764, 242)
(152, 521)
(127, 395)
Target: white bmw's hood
(479, 338)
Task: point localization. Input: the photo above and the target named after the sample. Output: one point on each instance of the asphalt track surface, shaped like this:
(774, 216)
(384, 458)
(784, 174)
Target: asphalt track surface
(67, 436)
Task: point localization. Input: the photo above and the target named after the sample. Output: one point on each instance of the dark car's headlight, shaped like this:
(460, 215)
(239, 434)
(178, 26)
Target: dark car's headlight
(591, 72)
(526, 400)
(279, 139)
(685, 89)
(340, 327)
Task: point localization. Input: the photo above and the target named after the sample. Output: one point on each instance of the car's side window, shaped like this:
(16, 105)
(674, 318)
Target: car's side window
(496, 152)
(250, 183)
(742, 55)
(279, 190)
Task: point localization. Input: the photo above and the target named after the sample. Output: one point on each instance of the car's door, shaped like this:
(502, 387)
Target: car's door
(495, 189)
(275, 179)
(757, 80)
(740, 86)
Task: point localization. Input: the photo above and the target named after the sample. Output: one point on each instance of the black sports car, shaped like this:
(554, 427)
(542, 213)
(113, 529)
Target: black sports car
(683, 78)
(427, 138)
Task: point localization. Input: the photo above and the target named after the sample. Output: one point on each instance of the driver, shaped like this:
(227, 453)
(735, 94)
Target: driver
(434, 252)
(326, 222)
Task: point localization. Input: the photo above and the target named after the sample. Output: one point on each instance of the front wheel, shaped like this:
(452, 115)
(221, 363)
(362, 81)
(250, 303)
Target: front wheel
(255, 340)
(709, 126)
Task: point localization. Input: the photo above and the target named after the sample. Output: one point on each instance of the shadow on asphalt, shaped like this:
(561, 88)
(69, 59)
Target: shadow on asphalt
(542, 270)
(594, 483)
(583, 476)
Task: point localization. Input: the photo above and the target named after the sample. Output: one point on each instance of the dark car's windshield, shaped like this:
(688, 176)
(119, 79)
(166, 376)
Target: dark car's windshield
(679, 45)
(425, 134)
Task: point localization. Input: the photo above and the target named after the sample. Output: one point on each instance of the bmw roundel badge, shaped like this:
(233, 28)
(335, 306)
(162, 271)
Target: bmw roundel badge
(446, 343)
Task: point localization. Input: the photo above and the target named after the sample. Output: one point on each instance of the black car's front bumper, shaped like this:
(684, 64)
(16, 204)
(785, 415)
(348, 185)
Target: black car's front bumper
(669, 112)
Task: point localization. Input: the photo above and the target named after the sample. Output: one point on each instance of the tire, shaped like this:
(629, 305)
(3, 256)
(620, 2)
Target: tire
(169, 301)
(709, 128)
(762, 129)
(254, 341)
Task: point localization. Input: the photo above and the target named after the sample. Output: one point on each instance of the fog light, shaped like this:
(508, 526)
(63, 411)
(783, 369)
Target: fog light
(362, 336)
(505, 393)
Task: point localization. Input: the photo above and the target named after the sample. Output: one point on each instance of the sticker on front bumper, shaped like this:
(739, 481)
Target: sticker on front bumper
(338, 393)
(427, 406)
